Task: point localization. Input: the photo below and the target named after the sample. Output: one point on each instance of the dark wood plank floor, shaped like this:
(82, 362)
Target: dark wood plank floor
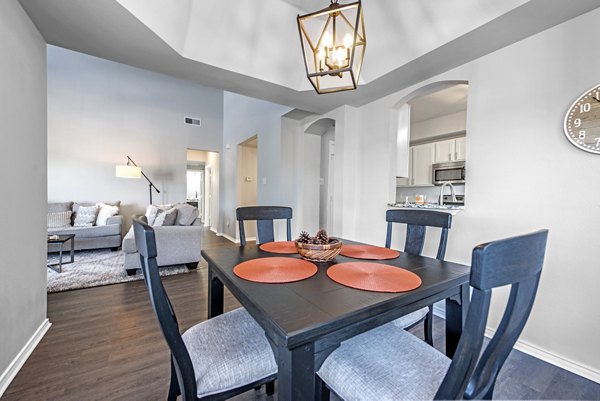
(105, 344)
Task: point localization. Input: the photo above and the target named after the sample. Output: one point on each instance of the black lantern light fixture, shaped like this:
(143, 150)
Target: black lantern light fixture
(333, 42)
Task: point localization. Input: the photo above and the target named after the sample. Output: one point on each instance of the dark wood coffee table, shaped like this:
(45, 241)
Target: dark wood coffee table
(61, 240)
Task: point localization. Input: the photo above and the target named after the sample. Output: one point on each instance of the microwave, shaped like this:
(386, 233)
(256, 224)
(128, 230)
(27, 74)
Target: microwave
(452, 172)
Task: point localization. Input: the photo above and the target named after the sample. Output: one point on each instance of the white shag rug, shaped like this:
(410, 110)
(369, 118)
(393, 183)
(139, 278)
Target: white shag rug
(95, 268)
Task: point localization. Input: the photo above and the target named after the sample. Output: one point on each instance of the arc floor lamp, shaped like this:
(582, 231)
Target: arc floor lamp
(132, 170)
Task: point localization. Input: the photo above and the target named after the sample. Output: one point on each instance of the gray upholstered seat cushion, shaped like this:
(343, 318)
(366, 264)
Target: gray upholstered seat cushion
(412, 318)
(87, 232)
(228, 351)
(385, 364)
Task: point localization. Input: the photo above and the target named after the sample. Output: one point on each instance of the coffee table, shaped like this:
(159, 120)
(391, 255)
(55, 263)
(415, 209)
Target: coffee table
(61, 240)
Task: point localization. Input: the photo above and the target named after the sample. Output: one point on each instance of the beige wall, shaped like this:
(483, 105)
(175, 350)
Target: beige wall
(23, 169)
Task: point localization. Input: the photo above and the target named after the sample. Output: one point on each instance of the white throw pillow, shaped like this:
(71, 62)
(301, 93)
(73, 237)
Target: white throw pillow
(86, 216)
(59, 219)
(153, 210)
(105, 212)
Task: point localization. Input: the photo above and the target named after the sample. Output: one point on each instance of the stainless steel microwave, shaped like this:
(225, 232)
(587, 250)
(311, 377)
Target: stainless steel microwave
(452, 172)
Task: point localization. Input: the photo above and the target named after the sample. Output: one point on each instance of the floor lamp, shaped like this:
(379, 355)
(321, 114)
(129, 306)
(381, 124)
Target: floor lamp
(132, 170)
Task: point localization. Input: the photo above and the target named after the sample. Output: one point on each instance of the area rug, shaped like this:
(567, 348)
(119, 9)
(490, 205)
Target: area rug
(95, 268)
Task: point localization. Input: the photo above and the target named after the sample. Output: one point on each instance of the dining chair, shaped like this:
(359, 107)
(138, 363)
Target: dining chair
(264, 216)
(215, 359)
(390, 364)
(417, 222)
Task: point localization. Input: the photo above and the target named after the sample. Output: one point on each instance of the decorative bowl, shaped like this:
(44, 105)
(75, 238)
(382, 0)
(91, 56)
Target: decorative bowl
(319, 253)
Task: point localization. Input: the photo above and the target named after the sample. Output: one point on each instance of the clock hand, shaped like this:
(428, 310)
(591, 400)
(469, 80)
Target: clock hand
(596, 99)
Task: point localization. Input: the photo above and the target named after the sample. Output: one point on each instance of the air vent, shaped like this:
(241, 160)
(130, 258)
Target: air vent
(193, 121)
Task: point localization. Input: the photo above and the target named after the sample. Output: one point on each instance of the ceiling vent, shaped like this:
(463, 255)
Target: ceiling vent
(193, 121)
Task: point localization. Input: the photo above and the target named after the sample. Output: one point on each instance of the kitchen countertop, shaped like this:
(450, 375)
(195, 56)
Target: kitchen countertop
(452, 209)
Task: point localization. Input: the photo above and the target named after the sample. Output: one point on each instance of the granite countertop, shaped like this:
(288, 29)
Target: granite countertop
(452, 209)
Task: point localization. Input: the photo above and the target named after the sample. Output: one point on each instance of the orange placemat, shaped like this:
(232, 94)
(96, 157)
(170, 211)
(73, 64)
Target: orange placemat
(279, 247)
(275, 270)
(374, 277)
(368, 252)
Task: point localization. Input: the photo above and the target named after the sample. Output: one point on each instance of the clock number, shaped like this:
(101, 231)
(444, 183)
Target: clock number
(585, 108)
(597, 141)
(577, 122)
(582, 135)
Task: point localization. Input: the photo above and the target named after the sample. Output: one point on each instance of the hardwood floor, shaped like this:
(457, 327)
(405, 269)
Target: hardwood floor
(105, 344)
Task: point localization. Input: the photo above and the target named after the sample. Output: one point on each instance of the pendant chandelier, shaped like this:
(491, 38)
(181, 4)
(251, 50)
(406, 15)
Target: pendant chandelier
(333, 42)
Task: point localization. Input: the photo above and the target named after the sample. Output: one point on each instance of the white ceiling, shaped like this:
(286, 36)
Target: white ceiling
(253, 48)
(441, 103)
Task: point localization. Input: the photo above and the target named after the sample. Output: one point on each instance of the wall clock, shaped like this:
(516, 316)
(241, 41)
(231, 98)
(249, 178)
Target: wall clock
(582, 122)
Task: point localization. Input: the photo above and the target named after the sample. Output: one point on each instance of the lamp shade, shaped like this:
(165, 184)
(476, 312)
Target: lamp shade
(333, 44)
(124, 171)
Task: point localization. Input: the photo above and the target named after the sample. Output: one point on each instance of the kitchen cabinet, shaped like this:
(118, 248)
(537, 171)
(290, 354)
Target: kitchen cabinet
(450, 150)
(419, 166)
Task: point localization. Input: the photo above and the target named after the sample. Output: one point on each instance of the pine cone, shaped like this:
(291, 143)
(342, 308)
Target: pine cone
(321, 237)
(304, 238)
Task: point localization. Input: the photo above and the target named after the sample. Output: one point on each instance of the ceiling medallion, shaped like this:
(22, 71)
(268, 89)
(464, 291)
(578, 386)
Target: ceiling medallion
(333, 43)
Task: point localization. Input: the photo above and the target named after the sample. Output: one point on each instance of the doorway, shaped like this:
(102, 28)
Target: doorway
(202, 179)
(247, 177)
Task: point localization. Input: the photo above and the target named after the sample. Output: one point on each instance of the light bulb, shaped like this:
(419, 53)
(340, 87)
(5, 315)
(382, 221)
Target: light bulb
(321, 54)
(340, 54)
(348, 41)
(327, 39)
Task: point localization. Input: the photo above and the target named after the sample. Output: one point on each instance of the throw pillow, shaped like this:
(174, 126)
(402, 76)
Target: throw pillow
(105, 212)
(86, 216)
(186, 214)
(166, 217)
(59, 219)
(153, 210)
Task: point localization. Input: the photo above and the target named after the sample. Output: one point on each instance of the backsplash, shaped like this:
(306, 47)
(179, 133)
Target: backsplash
(432, 193)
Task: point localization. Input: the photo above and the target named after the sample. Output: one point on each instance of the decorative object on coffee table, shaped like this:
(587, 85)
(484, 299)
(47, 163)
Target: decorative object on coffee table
(61, 240)
(319, 248)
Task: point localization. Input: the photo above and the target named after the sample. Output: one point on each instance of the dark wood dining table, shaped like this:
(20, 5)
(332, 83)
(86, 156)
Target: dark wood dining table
(306, 320)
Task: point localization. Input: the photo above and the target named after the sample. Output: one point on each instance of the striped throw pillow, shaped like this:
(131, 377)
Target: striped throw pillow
(59, 219)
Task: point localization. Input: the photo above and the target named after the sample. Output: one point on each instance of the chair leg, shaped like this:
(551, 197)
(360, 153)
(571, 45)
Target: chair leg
(174, 391)
(270, 388)
(428, 326)
(322, 393)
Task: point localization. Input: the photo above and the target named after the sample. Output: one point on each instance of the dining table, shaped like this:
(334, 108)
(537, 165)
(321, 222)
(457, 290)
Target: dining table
(304, 321)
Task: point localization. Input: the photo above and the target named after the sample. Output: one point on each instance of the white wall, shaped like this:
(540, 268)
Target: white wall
(23, 169)
(448, 124)
(329, 135)
(523, 175)
(100, 111)
(245, 117)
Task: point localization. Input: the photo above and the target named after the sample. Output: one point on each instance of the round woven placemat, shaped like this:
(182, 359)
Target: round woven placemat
(371, 276)
(279, 247)
(275, 270)
(368, 252)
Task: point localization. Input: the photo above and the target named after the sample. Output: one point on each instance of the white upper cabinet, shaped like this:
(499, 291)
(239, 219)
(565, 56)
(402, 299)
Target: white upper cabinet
(419, 170)
(450, 150)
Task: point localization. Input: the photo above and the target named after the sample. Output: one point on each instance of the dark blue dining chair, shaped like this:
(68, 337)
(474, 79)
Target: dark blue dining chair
(215, 359)
(417, 222)
(264, 216)
(390, 364)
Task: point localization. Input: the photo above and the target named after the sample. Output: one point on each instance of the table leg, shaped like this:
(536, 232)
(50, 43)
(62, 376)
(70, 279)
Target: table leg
(296, 373)
(456, 313)
(60, 257)
(72, 250)
(215, 294)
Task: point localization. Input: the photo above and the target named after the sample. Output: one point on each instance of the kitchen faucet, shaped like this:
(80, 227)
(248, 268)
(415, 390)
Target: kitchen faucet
(446, 183)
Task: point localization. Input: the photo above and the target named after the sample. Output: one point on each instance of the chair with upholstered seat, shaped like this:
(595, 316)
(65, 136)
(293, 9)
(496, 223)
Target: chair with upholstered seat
(216, 359)
(390, 364)
(264, 216)
(417, 222)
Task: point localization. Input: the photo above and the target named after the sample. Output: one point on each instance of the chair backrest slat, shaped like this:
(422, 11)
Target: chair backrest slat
(264, 216)
(515, 261)
(417, 222)
(146, 245)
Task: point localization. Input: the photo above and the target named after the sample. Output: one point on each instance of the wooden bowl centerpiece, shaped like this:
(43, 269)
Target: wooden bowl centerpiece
(319, 248)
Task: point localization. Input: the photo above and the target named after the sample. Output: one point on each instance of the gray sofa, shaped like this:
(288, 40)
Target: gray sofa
(175, 245)
(94, 237)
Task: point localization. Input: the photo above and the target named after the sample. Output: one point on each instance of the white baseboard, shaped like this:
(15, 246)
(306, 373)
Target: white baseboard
(9, 374)
(556, 360)
(229, 238)
(529, 349)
